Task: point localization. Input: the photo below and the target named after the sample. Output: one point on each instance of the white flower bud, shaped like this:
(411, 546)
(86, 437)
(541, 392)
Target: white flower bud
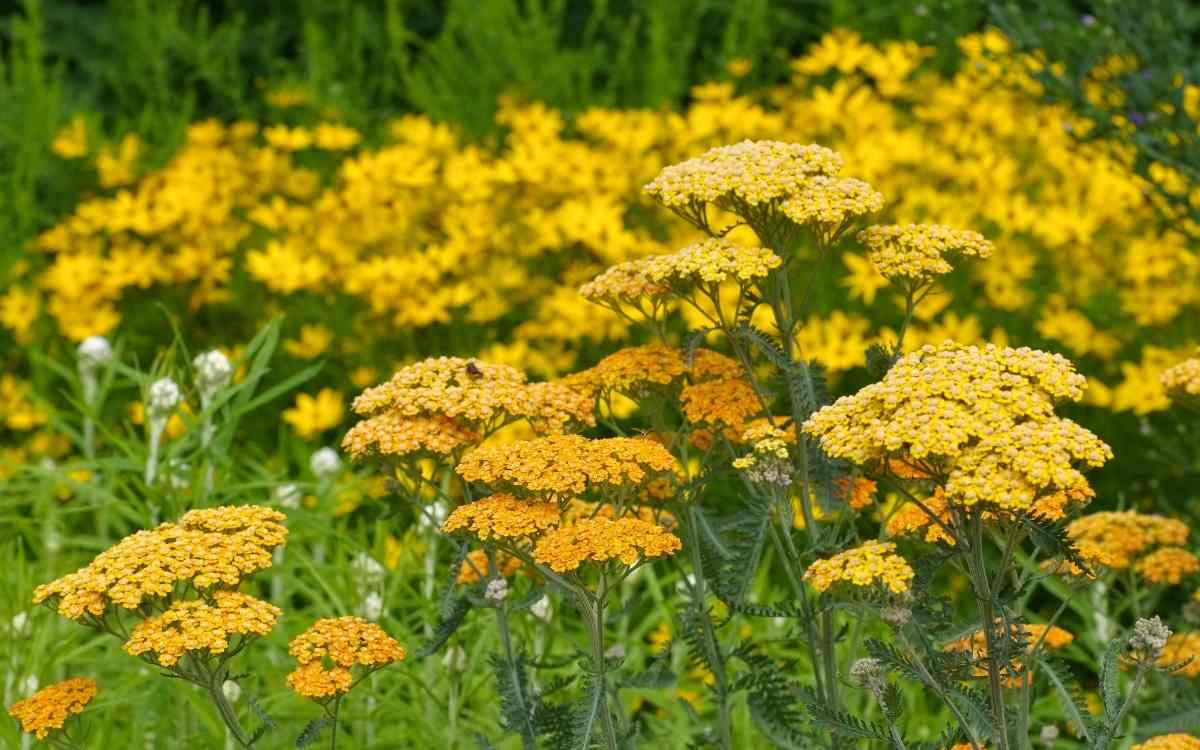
(433, 516)
(497, 590)
(1049, 734)
(455, 659)
(615, 651)
(93, 352)
(325, 463)
(20, 625)
(29, 685)
(232, 690)
(287, 495)
(369, 570)
(541, 609)
(212, 373)
(1149, 637)
(685, 584)
(162, 398)
(868, 674)
(372, 606)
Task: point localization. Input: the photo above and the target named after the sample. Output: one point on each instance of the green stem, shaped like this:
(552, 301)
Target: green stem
(337, 707)
(228, 715)
(594, 614)
(724, 721)
(983, 595)
(510, 660)
(798, 588)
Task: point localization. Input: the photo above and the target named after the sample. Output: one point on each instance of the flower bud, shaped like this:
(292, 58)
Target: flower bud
(1149, 637)
(19, 626)
(162, 398)
(93, 352)
(212, 373)
(541, 609)
(868, 674)
(287, 495)
(455, 659)
(372, 606)
(615, 652)
(325, 464)
(497, 590)
(231, 690)
(369, 571)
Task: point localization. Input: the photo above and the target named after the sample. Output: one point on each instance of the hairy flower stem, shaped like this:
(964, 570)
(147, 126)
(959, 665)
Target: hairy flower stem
(715, 656)
(592, 609)
(337, 707)
(510, 661)
(987, 612)
(225, 710)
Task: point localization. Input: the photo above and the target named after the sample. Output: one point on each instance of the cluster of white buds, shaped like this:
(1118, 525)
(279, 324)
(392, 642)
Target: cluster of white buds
(1148, 639)
(868, 674)
(325, 464)
(161, 399)
(287, 495)
(93, 353)
(455, 659)
(213, 372)
(497, 591)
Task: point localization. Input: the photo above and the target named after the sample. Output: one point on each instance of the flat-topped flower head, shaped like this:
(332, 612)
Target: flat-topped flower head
(750, 172)
(872, 563)
(624, 283)
(1175, 741)
(636, 370)
(503, 516)
(1182, 382)
(916, 253)
(48, 709)
(563, 466)
(709, 262)
(828, 204)
(600, 540)
(979, 421)
(475, 394)
(201, 627)
(726, 404)
(769, 461)
(330, 648)
(1167, 565)
(394, 435)
(1126, 536)
(214, 547)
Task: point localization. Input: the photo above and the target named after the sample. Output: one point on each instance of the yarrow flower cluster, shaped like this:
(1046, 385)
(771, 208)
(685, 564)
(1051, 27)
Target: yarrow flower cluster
(768, 461)
(728, 404)
(1126, 536)
(872, 562)
(979, 420)
(200, 625)
(215, 547)
(636, 370)
(475, 567)
(710, 261)
(567, 465)
(47, 710)
(1182, 647)
(392, 434)
(1169, 742)
(916, 253)
(330, 648)
(828, 203)
(503, 516)
(1032, 636)
(1182, 381)
(600, 540)
(475, 393)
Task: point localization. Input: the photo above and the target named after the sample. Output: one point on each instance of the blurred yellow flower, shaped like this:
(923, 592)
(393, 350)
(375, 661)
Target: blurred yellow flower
(312, 415)
(313, 341)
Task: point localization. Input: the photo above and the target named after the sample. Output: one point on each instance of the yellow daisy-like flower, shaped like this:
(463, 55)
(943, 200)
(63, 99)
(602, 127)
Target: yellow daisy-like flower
(312, 415)
(872, 562)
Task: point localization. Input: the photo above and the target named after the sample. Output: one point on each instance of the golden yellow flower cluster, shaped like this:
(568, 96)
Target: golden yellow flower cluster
(502, 516)
(870, 563)
(1182, 647)
(328, 650)
(475, 566)
(476, 393)
(709, 262)
(1169, 742)
(623, 283)
(18, 410)
(980, 420)
(636, 369)
(916, 253)
(1169, 565)
(1182, 381)
(600, 540)
(205, 548)
(829, 203)
(48, 709)
(1127, 535)
(567, 465)
(199, 625)
(728, 404)
(392, 434)
(750, 172)
(911, 520)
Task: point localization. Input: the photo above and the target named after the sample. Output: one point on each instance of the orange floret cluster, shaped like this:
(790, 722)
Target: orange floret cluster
(475, 566)
(328, 650)
(48, 709)
(205, 548)
(980, 420)
(857, 492)
(1169, 742)
(1127, 535)
(599, 540)
(393, 434)
(1181, 647)
(913, 520)
(1167, 565)
(502, 516)
(872, 562)
(476, 393)
(916, 253)
(636, 369)
(1049, 637)
(567, 465)
(729, 404)
(198, 625)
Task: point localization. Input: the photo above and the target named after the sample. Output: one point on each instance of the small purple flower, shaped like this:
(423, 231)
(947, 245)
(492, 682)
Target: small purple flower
(1088, 20)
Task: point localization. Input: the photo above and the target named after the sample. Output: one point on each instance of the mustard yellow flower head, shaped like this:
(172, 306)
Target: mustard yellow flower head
(1169, 742)
(330, 648)
(623, 283)
(48, 709)
(201, 626)
(1183, 381)
(1126, 536)
(750, 172)
(916, 253)
(214, 547)
(638, 369)
(872, 562)
(729, 404)
(600, 540)
(1168, 565)
(708, 262)
(979, 420)
(393, 434)
(567, 465)
(831, 203)
(502, 516)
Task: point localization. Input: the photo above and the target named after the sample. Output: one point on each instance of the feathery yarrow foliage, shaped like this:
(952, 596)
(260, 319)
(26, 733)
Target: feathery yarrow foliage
(979, 420)
(48, 709)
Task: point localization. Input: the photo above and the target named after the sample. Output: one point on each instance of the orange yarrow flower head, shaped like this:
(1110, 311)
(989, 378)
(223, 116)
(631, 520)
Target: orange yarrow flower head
(214, 548)
(476, 394)
(1028, 637)
(394, 435)
(47, 710)
(601, 540)
(979, 420)
(871, 563)
(474, 567)
(201, 627)
(1180, 648)
(1127, 536)
(331, 648)
(560, 467)
(1174, 741)
(639, 370)
(503, 517)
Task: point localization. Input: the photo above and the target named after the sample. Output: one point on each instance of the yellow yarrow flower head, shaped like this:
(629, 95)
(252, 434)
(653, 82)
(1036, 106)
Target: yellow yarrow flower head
(474, 567)
(979, 421)
(392, 434)
(637, 371)
(47, 710)
(331, 648)
(830, 204)
(872, 562)
(709, 262)
(200, 627)
(601, 540)
(1182, 647)
(1182, 382)
(915, 254)
(1175, 741)
(1125, 536)
(503, 516)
